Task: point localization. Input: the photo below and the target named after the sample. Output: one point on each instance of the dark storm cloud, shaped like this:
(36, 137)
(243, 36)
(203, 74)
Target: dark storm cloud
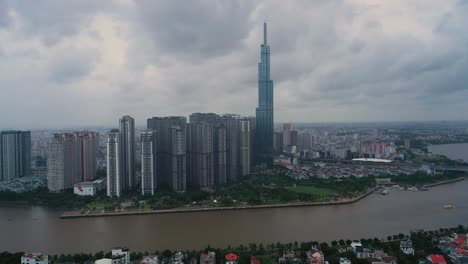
(332, 60)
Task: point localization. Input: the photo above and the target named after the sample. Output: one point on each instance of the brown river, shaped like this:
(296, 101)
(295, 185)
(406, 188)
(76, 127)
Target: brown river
(40, 229)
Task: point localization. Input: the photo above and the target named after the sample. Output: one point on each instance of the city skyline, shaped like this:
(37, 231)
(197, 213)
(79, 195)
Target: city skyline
(369, 62)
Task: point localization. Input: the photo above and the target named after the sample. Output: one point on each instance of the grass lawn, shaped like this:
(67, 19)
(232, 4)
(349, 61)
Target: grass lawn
(312, 190)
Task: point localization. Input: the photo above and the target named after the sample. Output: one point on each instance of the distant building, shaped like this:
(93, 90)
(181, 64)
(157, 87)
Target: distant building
(287, 128)
(208, 258)
(34, 258)
(149, 260)
(220, 154)
(306, 141)
(121, 253)
(171, 150)
(148, 162)
(114, 174)
(244, 146)
(89, 149)
(127, 152)
(294, 138)
(89, 188)
(278, 142)
(15, 154)
(407, 142)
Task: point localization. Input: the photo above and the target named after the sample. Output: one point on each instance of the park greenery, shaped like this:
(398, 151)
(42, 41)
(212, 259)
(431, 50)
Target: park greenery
(251, 190)
(269, 253)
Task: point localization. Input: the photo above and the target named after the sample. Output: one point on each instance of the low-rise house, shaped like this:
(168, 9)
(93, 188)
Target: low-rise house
(315, 256)
(254, 260)
(89, 188)
(152, 259)
(231, 258)
(345, 261)
(407, 247)
(122, 254)
(208, 258)
(364, 253)
(34, 258)
(436, 259)
(177, 258)
(289, 257)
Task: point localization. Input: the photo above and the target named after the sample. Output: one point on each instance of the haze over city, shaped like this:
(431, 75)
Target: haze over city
(87, 63)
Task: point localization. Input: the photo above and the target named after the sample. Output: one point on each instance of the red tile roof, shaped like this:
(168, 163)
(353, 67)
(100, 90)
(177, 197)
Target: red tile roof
(231, 257)
(439, 259)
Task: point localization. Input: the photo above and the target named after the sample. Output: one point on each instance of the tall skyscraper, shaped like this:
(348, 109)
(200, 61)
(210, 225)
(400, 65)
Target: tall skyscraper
(264, 111)
(200, 156)
(148, 162)
(64, 163)
(278, 142)
(127, 151)
(114, 174)
(294, 138)
(171, 150)
(15, 154)
(244, 147)
(231, 122)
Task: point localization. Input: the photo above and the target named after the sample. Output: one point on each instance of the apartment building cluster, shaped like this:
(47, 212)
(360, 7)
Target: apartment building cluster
(207, 150)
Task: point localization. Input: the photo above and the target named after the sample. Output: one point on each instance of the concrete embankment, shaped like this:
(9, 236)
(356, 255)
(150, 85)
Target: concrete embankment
(444, 182)
(78, 214)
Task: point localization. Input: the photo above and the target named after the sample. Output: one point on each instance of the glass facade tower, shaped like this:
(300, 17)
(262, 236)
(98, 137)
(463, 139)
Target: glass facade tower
(264, 111)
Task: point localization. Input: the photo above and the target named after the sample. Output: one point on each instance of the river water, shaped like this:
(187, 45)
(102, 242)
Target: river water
(453, 151)
(41, 229)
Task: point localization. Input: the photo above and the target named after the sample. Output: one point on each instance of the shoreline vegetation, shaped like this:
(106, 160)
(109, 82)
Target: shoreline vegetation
(81, 213)
(422, 241)
(274, 190)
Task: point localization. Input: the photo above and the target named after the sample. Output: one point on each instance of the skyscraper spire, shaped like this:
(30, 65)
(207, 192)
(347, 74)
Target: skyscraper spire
(265, 33)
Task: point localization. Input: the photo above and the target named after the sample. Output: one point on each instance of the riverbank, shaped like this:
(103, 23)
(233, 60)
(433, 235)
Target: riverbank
(79, 214)
(444, 182)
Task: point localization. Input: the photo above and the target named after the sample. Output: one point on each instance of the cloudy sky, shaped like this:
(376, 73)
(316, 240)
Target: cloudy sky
(80, 63)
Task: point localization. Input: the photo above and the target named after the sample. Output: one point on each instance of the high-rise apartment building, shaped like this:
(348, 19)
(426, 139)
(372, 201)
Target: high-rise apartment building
(264, 111)
(127, 151)
(220, 154)
(219, 144)
(89, 148)
(114, 173)
(15, 154)
(252, 121)
(200, 155)
(231, 123)
(64, 162)
(244, 146)
(148, 162)
(171, 150)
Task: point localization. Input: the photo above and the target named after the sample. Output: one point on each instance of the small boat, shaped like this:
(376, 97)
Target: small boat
(424, 189)
(396, 186)
(412, 189)
(448, 206)
(384, 192)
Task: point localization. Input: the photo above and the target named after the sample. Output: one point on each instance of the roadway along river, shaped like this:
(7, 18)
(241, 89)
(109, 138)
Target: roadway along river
(41, 229)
